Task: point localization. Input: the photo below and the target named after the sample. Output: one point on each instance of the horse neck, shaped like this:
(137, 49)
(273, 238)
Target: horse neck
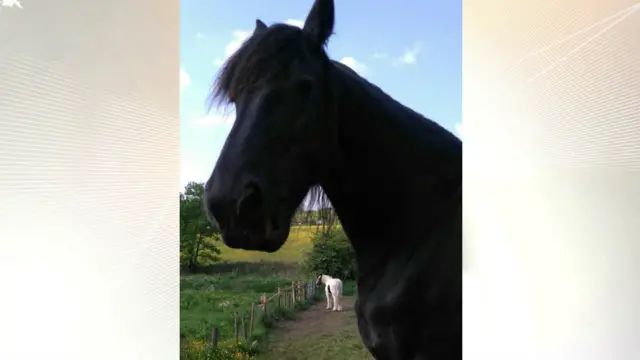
(325, 279)
(399, 167)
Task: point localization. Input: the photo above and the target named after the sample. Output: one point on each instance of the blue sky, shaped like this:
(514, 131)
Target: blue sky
(410, 49)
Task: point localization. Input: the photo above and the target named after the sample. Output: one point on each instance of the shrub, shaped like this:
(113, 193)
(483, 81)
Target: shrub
(331, 254)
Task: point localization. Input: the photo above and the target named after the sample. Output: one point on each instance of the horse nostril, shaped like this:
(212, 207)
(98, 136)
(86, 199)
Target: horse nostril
(250, 200)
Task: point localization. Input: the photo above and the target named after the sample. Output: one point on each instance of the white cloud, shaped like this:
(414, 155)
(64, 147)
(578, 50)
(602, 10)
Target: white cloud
(214, 119)
(218, 62)
(239, 36)
(354, 64)
(410, 56)
(295, 22)
(195, 168)
(185, 79)
(460, 130)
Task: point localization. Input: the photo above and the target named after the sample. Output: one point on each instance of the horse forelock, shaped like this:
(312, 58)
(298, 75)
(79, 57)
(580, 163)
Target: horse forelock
(262, 58)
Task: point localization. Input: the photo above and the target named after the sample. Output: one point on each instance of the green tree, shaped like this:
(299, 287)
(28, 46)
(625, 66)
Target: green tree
(331, 254)
(197, 234)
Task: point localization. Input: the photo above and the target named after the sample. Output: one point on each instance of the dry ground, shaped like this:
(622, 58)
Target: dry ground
(319, 334)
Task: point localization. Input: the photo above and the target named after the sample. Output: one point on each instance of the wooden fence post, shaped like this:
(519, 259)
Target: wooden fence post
(235, 325)
(244, 328)
(253, 306)
(278, 298)
(286, 298)
(299, 292)
(214, 337)
(265, 305)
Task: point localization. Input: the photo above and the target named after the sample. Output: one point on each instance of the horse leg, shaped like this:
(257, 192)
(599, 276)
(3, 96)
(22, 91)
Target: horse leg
(328, 295)
(336, 302)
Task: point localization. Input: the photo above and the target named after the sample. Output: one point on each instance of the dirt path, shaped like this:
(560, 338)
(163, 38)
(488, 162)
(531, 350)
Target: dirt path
(318, 333)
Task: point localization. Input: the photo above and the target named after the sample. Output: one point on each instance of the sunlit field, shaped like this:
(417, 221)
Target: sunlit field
(292, 251)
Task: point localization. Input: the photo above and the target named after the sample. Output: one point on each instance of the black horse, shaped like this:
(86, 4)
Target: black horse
(306, 122)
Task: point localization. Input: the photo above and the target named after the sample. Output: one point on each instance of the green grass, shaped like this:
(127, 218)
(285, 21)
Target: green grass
(210, 301)
(292, 251)
(349, 288)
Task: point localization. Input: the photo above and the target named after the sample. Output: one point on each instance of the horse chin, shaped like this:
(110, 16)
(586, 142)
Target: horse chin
(270, 240)
(273, 244)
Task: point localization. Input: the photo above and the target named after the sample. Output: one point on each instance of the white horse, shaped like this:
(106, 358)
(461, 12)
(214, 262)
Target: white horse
(333, 291)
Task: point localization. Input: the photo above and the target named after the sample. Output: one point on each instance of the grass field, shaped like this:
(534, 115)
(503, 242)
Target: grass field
(299, 241)
(209, 301)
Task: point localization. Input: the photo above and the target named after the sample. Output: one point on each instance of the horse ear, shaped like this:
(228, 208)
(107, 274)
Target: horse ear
(260, 26)
(319, 22)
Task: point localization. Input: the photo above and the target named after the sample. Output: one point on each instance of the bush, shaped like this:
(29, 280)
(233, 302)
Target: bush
(331, 254)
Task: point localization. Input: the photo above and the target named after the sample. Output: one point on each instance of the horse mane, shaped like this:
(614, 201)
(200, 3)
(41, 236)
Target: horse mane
(262, 58)
(327, 277)
(316, 199)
